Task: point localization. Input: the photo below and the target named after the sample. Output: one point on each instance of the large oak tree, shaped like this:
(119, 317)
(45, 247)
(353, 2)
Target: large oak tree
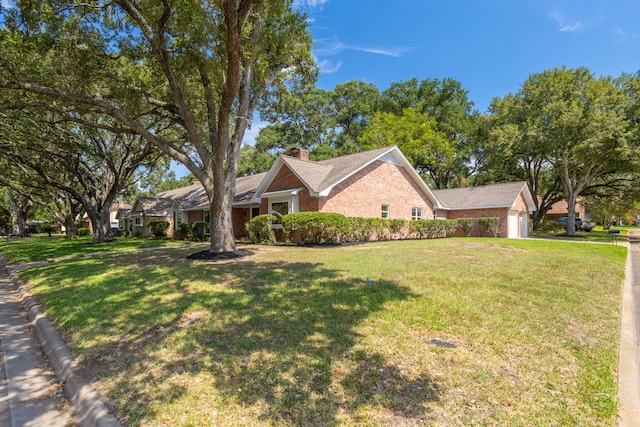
(201, 66)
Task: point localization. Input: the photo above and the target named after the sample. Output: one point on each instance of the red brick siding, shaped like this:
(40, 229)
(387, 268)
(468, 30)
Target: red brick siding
(194, 216)
(239, 217)
(501, 213)
(364, 193)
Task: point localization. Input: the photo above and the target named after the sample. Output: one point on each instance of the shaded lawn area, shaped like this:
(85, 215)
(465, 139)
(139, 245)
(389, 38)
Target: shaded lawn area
(594, 236)
(41, 246)
(448, 332)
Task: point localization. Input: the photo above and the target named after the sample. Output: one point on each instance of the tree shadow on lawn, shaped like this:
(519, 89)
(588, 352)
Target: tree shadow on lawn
(278, 337)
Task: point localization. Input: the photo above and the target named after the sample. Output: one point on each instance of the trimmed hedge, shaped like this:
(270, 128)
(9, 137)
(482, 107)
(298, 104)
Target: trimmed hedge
(490, 225)
(158, 228)
(83, 231)
(315, 227)
(198, 230)
(259, 228)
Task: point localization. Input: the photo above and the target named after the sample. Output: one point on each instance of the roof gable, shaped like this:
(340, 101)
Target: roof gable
(322, 176)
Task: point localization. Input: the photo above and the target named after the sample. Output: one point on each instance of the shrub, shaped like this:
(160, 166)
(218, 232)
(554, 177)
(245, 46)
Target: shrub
(259, 229)
(183, 231)
(490, 225)
(429, 228)
(398, 228)
(83, 231)
(467, 225)
(198, 230)
(548, 226)
(46, 228)
(315, 227)
(158, 228)
(450, 227)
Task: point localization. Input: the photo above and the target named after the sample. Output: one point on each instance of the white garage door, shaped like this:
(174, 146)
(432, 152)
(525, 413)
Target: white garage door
(524, 225)
(512, 225)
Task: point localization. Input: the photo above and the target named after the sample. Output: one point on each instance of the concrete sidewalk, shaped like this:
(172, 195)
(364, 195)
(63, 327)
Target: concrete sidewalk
(30, 394)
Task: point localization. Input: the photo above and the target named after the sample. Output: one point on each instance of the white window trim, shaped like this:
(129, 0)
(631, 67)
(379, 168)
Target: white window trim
(382, 211)
(137, 221)
(418, 215)
(293, 201)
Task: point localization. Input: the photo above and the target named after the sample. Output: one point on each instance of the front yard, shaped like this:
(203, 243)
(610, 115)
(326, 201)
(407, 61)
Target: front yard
(432, 332)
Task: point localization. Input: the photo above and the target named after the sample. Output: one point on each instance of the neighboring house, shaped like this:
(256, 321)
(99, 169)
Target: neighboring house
(561, 209)
(116, 211)
(511, 202)
(380, 183)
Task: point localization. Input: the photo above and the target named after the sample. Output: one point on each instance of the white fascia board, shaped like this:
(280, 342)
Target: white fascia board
(479, 207)
(282, 193)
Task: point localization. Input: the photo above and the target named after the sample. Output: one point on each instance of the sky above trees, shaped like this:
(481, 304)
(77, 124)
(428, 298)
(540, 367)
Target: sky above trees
(490, 47)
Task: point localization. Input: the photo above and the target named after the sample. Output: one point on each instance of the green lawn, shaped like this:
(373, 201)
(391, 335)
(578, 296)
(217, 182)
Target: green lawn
(41, 246)
(449, 332)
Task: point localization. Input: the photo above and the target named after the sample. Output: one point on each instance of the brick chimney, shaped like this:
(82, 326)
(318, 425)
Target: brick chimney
(299, 153)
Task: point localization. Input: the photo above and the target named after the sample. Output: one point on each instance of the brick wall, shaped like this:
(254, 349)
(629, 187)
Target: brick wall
(239, 217)
(364, 193)
(501, 213)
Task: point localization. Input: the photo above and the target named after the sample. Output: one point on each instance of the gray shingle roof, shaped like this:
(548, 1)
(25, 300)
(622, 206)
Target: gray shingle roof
(496, 195)
(325, 173)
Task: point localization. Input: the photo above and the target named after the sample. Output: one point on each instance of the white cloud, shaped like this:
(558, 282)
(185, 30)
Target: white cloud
(335, 47)
(310, 4)
(327, 66)
(565, 25)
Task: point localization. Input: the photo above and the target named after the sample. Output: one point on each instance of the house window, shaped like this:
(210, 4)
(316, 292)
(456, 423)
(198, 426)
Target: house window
(416, 213)
(385, 211)
(279, 209)
(137, 221)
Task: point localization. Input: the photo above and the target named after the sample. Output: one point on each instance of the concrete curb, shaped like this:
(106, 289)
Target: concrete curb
(89, 408)
(628, 373)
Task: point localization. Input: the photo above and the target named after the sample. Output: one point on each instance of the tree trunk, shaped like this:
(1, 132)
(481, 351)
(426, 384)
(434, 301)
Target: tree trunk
(100, 225)
(571, 196)
(222, 239)
(19, 214)
(71, 226)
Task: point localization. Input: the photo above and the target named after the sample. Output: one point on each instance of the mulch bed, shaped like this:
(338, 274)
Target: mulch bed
(218, 256)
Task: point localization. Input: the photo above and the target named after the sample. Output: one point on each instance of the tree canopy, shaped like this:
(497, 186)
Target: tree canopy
(186, 77)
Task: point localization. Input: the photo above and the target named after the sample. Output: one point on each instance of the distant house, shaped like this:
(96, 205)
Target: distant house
(561, 209)
(116, 211)
(380, 183)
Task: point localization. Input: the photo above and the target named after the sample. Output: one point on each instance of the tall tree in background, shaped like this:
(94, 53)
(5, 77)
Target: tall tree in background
(89, 163)
(430, 151)
(573, 124)
(200, 66)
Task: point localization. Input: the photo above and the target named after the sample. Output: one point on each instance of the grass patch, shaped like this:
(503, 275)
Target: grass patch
(40, 247)
(447, 332)
(594, 236)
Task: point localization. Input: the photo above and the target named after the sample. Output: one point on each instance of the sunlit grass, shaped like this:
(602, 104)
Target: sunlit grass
(448, 332)
(41, 247)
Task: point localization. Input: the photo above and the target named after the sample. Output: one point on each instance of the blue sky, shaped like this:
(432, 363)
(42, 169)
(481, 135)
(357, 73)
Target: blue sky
(490, 46)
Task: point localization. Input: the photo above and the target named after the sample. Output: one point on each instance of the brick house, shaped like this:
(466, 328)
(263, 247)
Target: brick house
(511, 202)
(379, 183)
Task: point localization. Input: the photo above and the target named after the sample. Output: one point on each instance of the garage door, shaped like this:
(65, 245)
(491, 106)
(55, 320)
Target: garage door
(512, 224)
(524, 225)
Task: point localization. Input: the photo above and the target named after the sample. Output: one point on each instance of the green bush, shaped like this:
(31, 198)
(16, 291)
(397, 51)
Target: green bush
(259, 229)
(199, 229)
(46, 228)
(490, 225)
(450, 227)
(158, 228)
(428, 228)
(315, 227)
(467, 225)
(83, 231)
(183, 231)
(549, 226)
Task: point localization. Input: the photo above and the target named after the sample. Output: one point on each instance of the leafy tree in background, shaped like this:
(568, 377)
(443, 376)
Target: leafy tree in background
(571, 127)
(198, 69)
(430, 151)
